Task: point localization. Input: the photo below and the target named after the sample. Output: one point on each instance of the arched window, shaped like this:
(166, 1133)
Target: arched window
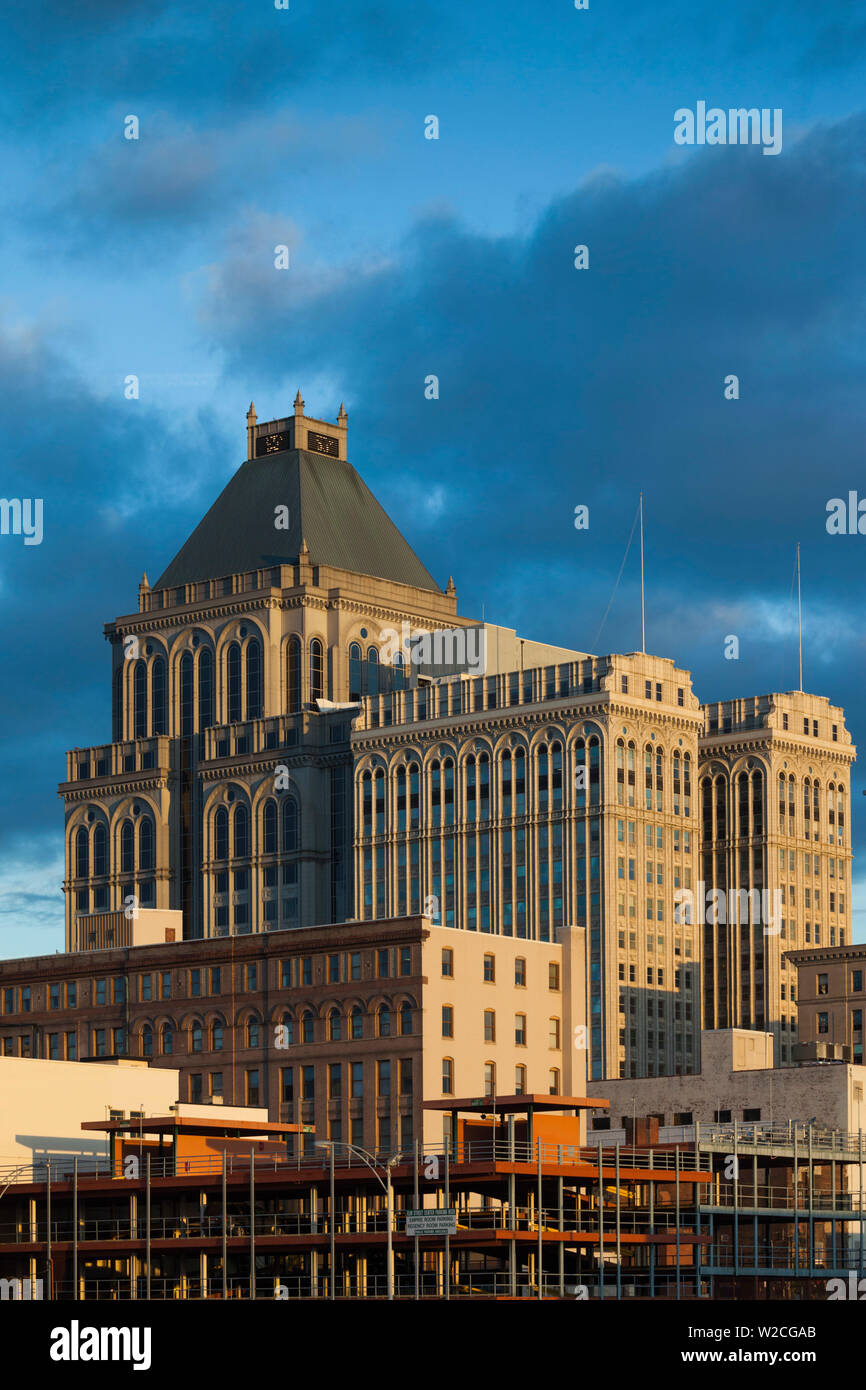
(147, 1042)
(335, 1025)
(233, 667)
(221, 833)
(166, 1041)
(145, 843)
(186, 696)
(82, 854)
(242, 833)
(269, 826)
(290, 825)
(356, 1019)
(288, 1024)
(542, 785)
(196, 1037)
(252, 1033)
(254, 679)
(216, 1037)
(308, 1027)
(100, 848)
(317, 670)
(127, 848)
(556, 775)
(139, 709)
(355, 672)
(384, 1021)
(157, 696)
(406, 1017)
(372, 671)
(293, 675)
(205, 690)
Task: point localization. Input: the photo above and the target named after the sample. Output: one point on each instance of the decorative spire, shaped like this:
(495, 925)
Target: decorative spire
(299, 403)
(450, 589)
(145, 583)
(305, 549)
(251, 413)
(342, 417)
(251, 431)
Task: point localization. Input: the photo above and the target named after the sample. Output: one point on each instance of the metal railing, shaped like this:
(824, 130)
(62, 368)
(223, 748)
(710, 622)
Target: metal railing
(473, 1151)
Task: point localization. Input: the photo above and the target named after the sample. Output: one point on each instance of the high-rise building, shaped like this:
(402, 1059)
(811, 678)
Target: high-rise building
(306, 731)
(775, 817)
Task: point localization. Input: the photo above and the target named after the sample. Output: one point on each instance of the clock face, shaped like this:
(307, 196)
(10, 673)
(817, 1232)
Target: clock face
(271, 443)
(323, 444)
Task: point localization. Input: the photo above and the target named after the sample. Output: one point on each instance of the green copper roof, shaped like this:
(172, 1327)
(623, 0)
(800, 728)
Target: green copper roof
(330, 507)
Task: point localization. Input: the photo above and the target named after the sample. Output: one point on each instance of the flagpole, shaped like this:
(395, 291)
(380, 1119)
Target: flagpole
(642, 604)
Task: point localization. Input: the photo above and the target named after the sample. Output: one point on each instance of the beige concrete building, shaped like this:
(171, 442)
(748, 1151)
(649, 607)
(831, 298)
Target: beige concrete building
(522, 802)
(738, 1082)
(775, 808)
(831, 998)
(45, 1101)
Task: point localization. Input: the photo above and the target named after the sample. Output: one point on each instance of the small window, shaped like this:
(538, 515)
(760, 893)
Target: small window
(823, 984)
(447, 1021)
(447, 1076)
(722, 1117)
(489, 968)
(489, 1025)
(448, 963)
(520, 972)
(752, 1115)
(553, 975)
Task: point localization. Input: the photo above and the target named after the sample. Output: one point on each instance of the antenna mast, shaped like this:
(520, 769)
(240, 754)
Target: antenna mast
(799, 618)
(642, 604)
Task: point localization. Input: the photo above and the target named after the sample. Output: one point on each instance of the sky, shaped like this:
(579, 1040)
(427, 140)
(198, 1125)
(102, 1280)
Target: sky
(412, 257)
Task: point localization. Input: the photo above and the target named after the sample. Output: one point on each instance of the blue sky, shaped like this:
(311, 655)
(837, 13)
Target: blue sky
(411, 256)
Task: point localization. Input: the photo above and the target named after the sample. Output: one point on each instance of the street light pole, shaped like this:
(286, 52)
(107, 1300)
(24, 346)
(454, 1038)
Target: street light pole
(388, 1194)
(386, 1187)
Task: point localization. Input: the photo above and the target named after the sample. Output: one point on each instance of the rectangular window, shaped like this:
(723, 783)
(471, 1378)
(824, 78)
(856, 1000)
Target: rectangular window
(489, 968)
(335, 1080)
(333, 969)
(357, 1080)
(101, 991)
(165, 984)
(216, 979)
(489, 1025)
(520, 972)
(355, 965)
(447, 1021)
(195, 983)
(520, 1030)
(448, 963)
(253, 1094)
(553, 975)
(145, 987)
(447, 1076)
(383, 1078)
(383, 964)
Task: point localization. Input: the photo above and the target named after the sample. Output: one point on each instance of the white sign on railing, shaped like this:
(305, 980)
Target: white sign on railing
(432, 1221)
